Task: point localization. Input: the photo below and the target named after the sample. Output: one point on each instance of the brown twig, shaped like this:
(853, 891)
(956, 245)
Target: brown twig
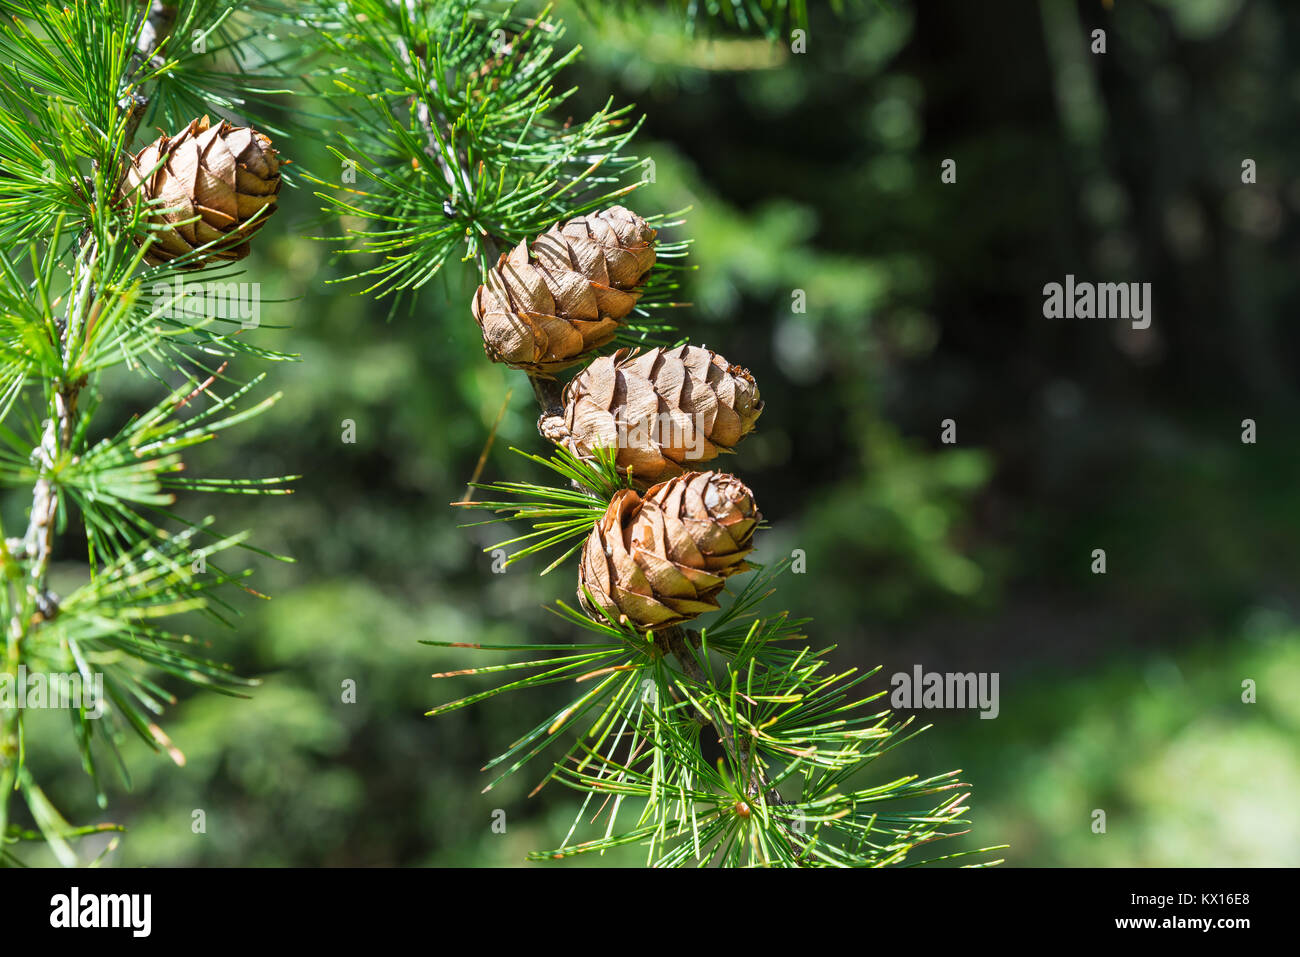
(549, 395)
(487, 447)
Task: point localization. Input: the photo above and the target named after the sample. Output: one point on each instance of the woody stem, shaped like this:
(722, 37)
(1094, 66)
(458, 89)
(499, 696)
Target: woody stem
(757, 786)
(36, 547)
(756, 782)
(548, 394)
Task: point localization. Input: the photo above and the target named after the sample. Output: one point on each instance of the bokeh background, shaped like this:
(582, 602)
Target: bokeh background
(820, 172)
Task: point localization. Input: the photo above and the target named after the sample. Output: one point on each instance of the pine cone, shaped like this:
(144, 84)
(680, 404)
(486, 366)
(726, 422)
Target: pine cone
(661, 410)
(222, 174)
(545, 311)
(662, 558)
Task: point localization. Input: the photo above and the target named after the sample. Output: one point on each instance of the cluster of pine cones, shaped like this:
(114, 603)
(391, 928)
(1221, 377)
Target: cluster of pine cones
(656, 557)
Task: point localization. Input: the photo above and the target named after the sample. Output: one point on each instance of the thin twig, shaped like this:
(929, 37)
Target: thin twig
(153, 33)
(487, 447)
(549, 395)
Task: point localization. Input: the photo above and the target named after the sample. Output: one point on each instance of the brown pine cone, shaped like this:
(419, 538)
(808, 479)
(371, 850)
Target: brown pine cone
(224, 175)
(662, 410)
(543, 309)
(661, 558)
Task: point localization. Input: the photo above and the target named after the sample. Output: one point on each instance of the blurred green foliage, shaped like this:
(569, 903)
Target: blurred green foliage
(1188, 775)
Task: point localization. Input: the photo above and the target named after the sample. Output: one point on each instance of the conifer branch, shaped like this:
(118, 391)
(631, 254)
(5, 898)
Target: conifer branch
(427, 118)
(56, 437)
(425, 80)
(59, 428)
(680, 643)
(77, 81)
